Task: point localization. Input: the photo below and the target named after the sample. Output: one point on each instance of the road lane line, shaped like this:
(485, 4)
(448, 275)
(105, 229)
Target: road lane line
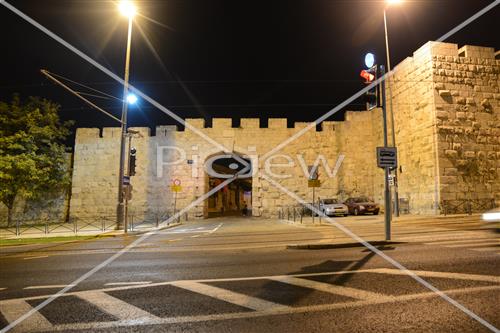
(128, 283)
(36, 257)
(216, 228)
(272, 312)
(483, 244)
(465, 241)
(330, 288)
(449, 275)
(13, 309)
(229, 296)
(53, 286)
(116, 307)
(460, 276)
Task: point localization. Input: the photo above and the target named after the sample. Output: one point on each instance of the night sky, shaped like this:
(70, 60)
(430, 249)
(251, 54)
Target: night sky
(223, 58)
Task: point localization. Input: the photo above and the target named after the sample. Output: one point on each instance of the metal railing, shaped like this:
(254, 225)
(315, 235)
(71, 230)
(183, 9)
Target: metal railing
(466, 206)
(87, 224)
(295, 213)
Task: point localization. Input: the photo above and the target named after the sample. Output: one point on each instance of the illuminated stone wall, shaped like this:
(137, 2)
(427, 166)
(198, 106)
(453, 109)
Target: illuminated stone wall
(447, 128)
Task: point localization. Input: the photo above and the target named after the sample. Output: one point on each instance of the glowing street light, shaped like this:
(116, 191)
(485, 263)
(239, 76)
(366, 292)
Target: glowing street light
(131, 99)
(389, 85)
(127, 8)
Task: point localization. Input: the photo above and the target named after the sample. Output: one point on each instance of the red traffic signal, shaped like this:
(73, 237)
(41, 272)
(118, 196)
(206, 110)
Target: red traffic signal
(369, 77)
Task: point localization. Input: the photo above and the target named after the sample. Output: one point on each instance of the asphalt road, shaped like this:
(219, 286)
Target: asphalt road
(236, 275)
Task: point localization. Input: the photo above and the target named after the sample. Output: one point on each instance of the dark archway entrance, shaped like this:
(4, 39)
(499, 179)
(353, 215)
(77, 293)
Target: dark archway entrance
(234, 199)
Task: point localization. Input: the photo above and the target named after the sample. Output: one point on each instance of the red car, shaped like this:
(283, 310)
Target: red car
(361, 205)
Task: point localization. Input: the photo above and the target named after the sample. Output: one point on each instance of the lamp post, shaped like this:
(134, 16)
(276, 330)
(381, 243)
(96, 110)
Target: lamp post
(128, 9)
(391, 111)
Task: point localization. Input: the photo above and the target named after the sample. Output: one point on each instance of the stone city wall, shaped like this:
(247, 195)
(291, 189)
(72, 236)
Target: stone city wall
(447, 117)
(447, 128)
(96, 159)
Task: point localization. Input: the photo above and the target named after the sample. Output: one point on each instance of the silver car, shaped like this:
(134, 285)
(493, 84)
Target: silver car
(331, 207)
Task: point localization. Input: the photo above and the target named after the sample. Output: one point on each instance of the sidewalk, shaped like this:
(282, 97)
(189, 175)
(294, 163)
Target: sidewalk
(307, 221)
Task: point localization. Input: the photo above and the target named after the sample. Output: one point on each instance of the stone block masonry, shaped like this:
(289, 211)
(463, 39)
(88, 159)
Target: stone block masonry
(447, 129)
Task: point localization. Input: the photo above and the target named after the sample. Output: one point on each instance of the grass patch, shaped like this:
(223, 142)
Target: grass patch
(46, 240)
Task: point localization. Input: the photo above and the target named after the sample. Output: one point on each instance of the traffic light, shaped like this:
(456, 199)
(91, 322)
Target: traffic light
(370, 75)
(131, 162)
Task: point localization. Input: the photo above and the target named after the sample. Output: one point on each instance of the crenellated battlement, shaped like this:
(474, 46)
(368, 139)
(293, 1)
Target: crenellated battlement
(222, 124)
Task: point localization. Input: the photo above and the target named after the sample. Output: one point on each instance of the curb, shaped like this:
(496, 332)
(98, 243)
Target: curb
(337, 246)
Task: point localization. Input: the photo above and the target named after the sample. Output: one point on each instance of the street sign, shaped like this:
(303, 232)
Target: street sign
(128, 191)
(313, 183)
(391, 180)
(313, 172)
(387, 157)
(126, 180)
(176, 186)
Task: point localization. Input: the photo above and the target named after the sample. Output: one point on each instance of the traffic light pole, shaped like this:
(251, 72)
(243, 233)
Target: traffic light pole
(387, 191)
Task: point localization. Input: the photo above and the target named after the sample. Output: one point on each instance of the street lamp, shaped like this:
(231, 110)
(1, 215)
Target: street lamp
(131, 99)
(127, 9)
(389, 86)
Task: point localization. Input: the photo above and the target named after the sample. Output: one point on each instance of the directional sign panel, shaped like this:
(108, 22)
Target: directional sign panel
(313, 183)
(387, 157)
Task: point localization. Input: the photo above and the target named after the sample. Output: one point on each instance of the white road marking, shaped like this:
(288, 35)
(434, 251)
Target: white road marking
(459, 276)
(2, 289)
(128, 283)
(116, 307)
(13, 309)
(229, 296)
(216, 228)
(195, 236)
(330, 288)
(483, 244)
(448, 275)
(36, 257)
(50, 286)
(464, 241)
(271, 312)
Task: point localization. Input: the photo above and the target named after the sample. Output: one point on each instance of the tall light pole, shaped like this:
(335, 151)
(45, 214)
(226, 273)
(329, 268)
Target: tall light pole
(128, 9)
(391, 111)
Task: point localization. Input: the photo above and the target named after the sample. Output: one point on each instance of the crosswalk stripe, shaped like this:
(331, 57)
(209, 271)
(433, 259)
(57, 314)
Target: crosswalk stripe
(229, 296)
(13, 309)
(330, 288)
(116, 307)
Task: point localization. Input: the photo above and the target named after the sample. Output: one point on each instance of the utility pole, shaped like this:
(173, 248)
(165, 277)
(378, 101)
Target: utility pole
(387, 191)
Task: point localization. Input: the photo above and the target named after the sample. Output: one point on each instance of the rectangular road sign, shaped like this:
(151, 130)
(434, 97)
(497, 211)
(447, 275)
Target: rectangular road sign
(176, 188)
(313, 183)
(387, 157)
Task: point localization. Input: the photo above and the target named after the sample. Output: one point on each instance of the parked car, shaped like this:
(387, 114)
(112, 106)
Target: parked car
(492, 219)
(361, 205)
(331, 207)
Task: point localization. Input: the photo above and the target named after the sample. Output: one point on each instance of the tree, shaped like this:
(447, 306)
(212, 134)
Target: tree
(33, 162)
